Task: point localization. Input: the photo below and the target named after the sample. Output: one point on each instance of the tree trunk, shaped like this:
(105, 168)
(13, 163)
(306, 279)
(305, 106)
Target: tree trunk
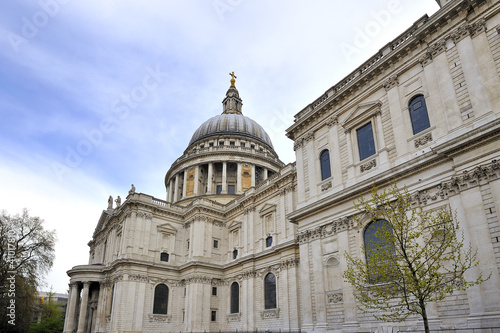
(424, 316)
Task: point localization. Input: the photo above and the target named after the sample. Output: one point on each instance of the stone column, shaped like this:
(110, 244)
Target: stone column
(382, 149)
(224, 178)
(335, 161)
(478, 93)
(398, 122)
(253, 175)
(83, 307)
(319, 287)
(69, 324)
(184, 183)
(239, 176)
(298, 147)
(306, 305)
(264, 171)
(176, 188)
(196, 180)
(312, 160)
(350, 156)
(350, 307)
(210, 183)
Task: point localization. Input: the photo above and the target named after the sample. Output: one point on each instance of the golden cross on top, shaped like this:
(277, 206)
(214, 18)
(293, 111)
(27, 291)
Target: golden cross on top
(233, 77)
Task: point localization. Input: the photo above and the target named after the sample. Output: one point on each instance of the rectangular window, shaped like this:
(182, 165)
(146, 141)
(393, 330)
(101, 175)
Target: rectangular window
(214, 291)
(221, 143)
(218, 189)
(243, 144)
(231, 143)
(211, 144)
(216, 244)
(230, 189)
(214, 315)
(366, 144)
(188, 244)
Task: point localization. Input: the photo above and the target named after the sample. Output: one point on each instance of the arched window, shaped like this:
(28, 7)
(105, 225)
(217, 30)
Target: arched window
(164, 256)
(160, 305)
(325, 164)
(270, 291)
(235, 254)
(235, 297)
(378, 246)
(418, 114)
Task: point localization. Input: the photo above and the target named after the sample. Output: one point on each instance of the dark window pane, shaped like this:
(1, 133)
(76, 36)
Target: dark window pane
(235, 254)
(366, 144)
(230, 189)
(269, 241)
(164, 256)
(418, 114)
(270, 291)
(161, 299)
(325, 164)
(216, 244)
(214, 291)
(235, 298)
(377, 246)
(214, 316)
(219, 189)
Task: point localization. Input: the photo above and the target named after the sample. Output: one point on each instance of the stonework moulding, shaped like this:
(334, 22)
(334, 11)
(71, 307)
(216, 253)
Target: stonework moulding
(270, 313)
(233, 317)
(368, 165)
(328, 229)
(159, 318)
(326, 186)
(335, 297)
(422, 141)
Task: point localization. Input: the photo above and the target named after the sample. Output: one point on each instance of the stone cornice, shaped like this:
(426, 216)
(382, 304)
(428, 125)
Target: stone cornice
(392, 53)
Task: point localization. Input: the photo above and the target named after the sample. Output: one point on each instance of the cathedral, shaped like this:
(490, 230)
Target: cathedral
(243, 242)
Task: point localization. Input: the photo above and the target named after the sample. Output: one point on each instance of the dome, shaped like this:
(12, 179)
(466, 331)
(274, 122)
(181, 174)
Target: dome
(231, 124)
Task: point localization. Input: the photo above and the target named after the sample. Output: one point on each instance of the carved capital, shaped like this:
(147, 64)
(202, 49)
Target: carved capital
(478, 27)
(332, 121)
(391, 82)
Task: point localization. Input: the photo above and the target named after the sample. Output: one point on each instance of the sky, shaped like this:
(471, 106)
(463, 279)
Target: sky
(98, 95)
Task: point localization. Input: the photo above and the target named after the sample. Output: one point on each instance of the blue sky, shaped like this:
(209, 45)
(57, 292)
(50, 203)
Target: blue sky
(97, 95)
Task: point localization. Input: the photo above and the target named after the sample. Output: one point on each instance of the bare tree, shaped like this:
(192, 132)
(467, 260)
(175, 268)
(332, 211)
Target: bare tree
(27, 254)
(412, 257)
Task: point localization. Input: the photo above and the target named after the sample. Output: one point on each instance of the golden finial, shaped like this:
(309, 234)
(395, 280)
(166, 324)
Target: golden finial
(233, 77)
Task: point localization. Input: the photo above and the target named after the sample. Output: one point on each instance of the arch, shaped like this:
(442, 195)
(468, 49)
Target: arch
(418, 114)
(160, 305)
(235, 298)
(324, 159)
(270, 291)
(378, 246)
(333, 273)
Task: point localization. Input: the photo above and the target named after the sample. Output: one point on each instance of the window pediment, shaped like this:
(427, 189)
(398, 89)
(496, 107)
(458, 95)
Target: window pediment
(167, 228)
(234, 225)
(362, 113)
(267, 209)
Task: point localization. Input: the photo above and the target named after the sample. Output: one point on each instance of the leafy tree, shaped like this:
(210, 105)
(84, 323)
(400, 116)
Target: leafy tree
(26, 253)
(411, 257)
(52, 316)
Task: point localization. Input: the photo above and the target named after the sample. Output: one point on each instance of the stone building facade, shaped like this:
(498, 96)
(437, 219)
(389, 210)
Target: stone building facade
(244, 242)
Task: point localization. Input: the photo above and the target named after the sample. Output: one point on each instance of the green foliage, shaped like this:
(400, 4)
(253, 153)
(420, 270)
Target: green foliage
(416, 257)
(52, 317)
(26, 254)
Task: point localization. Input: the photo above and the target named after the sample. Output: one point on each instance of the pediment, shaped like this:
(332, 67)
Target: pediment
(234, 225)
(103, 221)
(361, 113)
(166, 228)
(267, 208)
